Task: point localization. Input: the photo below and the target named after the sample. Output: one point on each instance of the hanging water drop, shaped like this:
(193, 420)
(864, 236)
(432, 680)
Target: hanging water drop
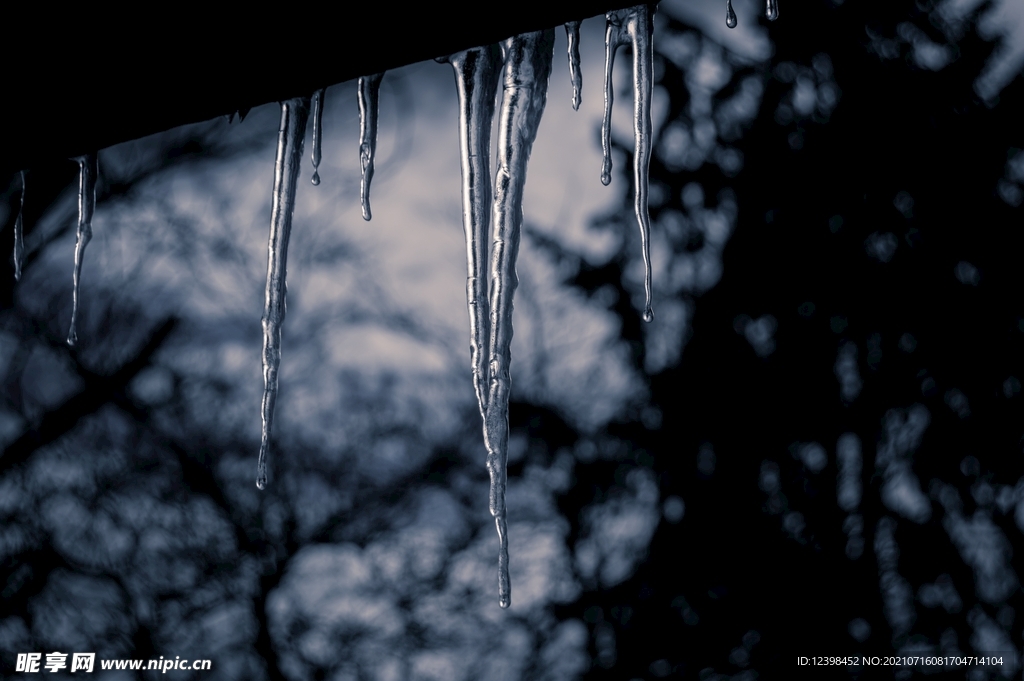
(294, 114)
(88, 169)
(476, 78)
(635, 27)
(730, 15)
(772, 10)
(524, 93)
(318, 123)
(369, 96)
(572, 36)
(19, 232)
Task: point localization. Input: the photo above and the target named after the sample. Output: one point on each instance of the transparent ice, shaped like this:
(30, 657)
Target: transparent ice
(318, 133)
(476, 79)
(524, 93)
(87, 171)
(19, 231)
(369, 98)
(634, 27)
(572, 36)
(294, 114)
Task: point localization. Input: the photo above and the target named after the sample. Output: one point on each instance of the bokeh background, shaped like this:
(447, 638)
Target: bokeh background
(814, 449)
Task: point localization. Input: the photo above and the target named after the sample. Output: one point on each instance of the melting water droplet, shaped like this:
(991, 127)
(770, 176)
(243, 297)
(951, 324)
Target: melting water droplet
(572, 35)
(88, 169)
(476, 78)
(730, 14)
(19, 232)
(294, 114)
(772, 10)
(369, 97)
(524, 94)
(318, 123)
(634, 27)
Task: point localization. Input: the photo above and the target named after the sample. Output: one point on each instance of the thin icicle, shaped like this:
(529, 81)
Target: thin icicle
(612, 39)
(318, 123)
(527, 68)
(572, 36)
(476, 78)
(730, 15)
(772, 10)
(635, 27)
(294, 114)
(19, 232)
(88, 169)
(369, 97)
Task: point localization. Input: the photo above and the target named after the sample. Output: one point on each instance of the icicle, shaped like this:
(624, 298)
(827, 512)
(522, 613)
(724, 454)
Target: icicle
(19, 232)
(318, 123)
(635, 27)
(476, 78)
(772, 10)
(87, 171)
(730, 15)
(294, 114)
(572, 35)
(369, 91)
(612, 40)
(527, 68)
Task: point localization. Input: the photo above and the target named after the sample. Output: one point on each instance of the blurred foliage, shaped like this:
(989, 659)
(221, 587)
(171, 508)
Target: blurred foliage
(819, 452)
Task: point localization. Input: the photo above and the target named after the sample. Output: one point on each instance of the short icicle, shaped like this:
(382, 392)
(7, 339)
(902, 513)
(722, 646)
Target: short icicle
(294, 114)
(772, 10)
(730, 15)
(612, 40)
(527, 69)
(572, 36)
(318, 124)
(476, 78)
(635, 27)
(369, 98)
(19, 232)
(88, 169)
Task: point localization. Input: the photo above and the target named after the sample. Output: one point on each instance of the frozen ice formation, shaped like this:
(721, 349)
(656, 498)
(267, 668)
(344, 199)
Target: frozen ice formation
(294, 114)
(318, 132)
(88, 168)
(19, 231)
(369, 98)
(634, 27)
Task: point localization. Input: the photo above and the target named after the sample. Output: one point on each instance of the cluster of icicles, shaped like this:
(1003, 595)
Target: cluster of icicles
(521, 67)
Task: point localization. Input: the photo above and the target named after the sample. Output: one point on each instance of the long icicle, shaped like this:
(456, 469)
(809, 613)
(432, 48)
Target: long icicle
(527, 68)
(476, 78)
(634, 26)
(572, 36)
(88, 169)
(19, 232)
(369, 98)
(294, 114)
(318, 132)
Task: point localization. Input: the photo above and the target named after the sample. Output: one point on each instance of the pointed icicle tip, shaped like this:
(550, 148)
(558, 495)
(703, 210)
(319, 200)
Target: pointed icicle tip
(261, 483)
(730, 15)
(772, 10)
(649, 315)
